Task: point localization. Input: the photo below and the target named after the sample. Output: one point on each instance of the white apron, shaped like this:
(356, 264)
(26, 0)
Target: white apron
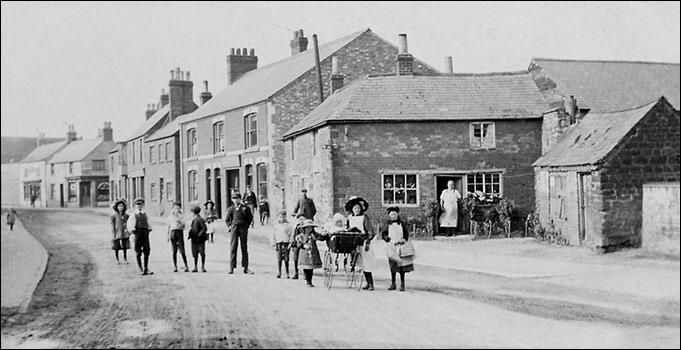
(368, 260)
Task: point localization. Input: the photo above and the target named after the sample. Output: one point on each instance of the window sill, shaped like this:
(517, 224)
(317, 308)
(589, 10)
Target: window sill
(386, 205)
(252, 149)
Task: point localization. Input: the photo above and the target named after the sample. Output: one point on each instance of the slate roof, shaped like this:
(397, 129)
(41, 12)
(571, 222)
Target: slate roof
(260, 84)
(76, 151)
(594, 137)
(394, 98)
(149, 123)
(43, 152)
(166, 131)
(605, 86)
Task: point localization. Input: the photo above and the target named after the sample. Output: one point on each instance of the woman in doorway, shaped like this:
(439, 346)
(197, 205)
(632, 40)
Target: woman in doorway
(449, 201)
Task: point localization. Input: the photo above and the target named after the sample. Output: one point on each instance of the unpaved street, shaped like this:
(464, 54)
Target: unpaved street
(86, 300)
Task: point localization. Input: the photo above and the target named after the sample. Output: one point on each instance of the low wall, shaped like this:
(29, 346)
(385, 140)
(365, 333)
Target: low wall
(660, 232)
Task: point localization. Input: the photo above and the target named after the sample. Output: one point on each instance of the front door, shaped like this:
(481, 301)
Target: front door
(231, 184)
(440, 185)
(85, 196)
(61, 195)
(585, 206)
(218, 194)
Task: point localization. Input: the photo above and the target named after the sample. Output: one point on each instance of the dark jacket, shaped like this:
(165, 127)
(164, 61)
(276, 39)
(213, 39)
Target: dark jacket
(305, 206)
(197, 232)
(241, 216)
(250, 198)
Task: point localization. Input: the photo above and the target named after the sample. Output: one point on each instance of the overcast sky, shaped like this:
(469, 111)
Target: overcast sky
(87, 63)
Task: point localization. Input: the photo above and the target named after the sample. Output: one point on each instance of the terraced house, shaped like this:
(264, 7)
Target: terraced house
(234, 140)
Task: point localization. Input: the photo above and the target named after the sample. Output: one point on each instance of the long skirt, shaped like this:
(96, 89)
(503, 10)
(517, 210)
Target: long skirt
(367, 258)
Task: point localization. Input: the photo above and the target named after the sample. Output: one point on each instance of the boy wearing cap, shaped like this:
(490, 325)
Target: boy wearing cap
(238, 218)
(282, 237)
(175, 227)
(139, 222)
(295, 249)
(198, 235)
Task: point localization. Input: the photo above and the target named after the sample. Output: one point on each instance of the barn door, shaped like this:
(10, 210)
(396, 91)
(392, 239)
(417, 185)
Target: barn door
(585, 205)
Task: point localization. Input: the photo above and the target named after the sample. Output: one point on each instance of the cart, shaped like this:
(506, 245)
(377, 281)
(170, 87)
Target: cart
(343, 246)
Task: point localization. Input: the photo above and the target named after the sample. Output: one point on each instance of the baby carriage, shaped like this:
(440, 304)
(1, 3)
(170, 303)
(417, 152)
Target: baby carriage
(344, 245)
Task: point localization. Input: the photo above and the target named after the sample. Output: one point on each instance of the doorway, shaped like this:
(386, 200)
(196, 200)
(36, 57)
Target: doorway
(231, 184)
(440, 185)
(61, 195)
(85, 196)
(218, 193)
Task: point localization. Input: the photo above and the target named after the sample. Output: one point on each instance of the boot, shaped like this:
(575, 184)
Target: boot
(392, 282)
(370, 281)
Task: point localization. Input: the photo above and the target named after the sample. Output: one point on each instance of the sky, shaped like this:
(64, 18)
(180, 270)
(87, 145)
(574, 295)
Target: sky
(84, 63)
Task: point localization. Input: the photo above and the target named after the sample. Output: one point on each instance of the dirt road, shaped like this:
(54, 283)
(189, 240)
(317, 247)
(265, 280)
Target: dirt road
(86, 300)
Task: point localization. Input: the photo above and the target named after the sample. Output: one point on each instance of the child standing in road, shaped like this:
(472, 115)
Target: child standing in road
(210, 216)
(11, 217)
(309, 253)
(281, 240)
(264, 208)
(198, 235)
(119, 226)
(141, 227)
(295, 251)
(175, 227)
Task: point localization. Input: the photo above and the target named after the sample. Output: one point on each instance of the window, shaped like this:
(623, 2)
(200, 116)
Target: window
(152, 149)
(133, 153)
(251, 130)
(169, 152)
(218, 137)
(53, 191)
(152, 193)
(111, 160)
(169, 191)
(249, 175)
(400, 189)
(487, 183)
(161, 157)
(193, 185)
(141, 151)
(70, 167)
(482, 135)
(103, 191)
(314, 142)
(293, 148)
(262, 179)
(191, 143)
(51, 169)
(98, 164)
(72, 192)
(208, 172)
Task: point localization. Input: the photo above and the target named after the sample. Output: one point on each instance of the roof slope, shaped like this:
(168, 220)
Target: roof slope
(418, 98)
(44, 152)
(605, 86)
(166, 131)
(149, 123)
(260, 84)
(76, 151)
(594, 137)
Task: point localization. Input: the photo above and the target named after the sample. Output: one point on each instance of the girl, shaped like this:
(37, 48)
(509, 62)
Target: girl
(359, 222)
(121, 236)
(210, 217)
(308, 258)
(175, 228)
(395, 233)
(282, 237)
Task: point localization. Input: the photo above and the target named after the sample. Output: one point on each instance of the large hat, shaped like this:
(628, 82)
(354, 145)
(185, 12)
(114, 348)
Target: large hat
(395, 209)
(119, 201)
(207, 202)
(138, 200)
(308, 223)
(236, 195)
(356, 200)
(195, 209)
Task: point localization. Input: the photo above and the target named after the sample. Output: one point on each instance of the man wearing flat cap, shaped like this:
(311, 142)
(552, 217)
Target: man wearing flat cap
(238, 218)
(305, 206)
(141, 227)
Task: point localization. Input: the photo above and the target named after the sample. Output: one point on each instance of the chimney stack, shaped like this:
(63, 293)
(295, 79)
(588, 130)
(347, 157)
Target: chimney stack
(449, 68)
(336, 77)
(299, 42)
(163, 101)
(150, 110)
(571, 109)
(206, 95)
(71, 134)
(181, 94)
(240, 63)
(405, 61)
(41, 137)
(107, 132)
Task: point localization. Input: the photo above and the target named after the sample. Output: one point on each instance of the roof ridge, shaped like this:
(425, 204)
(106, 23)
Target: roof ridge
(653, 102)
(600, 61)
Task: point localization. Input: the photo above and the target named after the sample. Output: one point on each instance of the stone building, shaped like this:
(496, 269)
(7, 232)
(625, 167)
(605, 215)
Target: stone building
(589, 185)
(234, 140)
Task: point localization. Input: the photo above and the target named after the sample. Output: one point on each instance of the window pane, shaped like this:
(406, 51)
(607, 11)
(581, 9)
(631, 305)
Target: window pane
(399, 197)
(411, 181)
(399, 181)
(388, 197)
(411, 196)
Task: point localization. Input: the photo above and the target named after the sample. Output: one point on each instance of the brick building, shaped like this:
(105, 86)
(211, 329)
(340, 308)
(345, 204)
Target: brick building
(590, 183)
(33, 172)
(234, 139)
(77, 175)
(398, 139)
(146, 162)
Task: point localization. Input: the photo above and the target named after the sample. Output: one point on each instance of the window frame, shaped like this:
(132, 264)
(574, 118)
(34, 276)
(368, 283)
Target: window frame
(218, 137)
(250, 131)
(414, 190)
(99, 164)
(484, 183)
(192, 149)
(193, 185)
(487, 141)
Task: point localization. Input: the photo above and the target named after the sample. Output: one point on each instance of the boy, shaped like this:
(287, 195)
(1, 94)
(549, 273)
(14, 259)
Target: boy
(141, 227)
(281, 240)
(264, 208)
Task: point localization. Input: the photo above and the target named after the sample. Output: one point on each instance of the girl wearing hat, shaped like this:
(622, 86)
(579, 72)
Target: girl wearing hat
(309, 258)
(210, 216)
(359, 222)
(121, 236)
(395, 233)
(175, 227)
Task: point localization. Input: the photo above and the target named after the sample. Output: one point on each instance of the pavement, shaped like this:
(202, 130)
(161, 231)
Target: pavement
(634, 272)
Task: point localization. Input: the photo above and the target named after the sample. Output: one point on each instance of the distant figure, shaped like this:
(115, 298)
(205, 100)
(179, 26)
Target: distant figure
(141, 227)
(119, 226)
(281, 240)
(238, 219)
(33, 198)
(198, 235)
(11, 217)
(449, 202)
(264, 208)
(305, 206)
(251, 201)
(210, 216)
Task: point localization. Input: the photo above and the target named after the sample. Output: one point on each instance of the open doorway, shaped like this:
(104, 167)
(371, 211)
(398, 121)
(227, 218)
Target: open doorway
(440, 185)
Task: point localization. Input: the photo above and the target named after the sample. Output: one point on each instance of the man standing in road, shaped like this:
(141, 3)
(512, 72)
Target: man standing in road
(250, 200)
(238, 218)
(140, 226)
(305, 206)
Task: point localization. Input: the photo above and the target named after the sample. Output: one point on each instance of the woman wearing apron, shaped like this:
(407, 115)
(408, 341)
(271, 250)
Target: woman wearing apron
(359, 222)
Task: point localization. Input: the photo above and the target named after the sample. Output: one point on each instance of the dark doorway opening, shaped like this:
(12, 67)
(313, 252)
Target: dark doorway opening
(440, 185)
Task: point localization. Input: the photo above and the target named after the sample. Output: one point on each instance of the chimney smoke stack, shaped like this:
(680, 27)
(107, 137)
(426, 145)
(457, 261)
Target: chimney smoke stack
(449, 68)
(403, 45)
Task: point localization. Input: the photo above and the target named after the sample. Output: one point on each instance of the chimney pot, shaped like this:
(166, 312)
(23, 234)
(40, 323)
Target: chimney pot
(172, 74)
(205, 85)
(188, 76)
(403, 44)
(238, 52)
(252, 52)
(449, 68)
(334, 65)
(244, 52)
